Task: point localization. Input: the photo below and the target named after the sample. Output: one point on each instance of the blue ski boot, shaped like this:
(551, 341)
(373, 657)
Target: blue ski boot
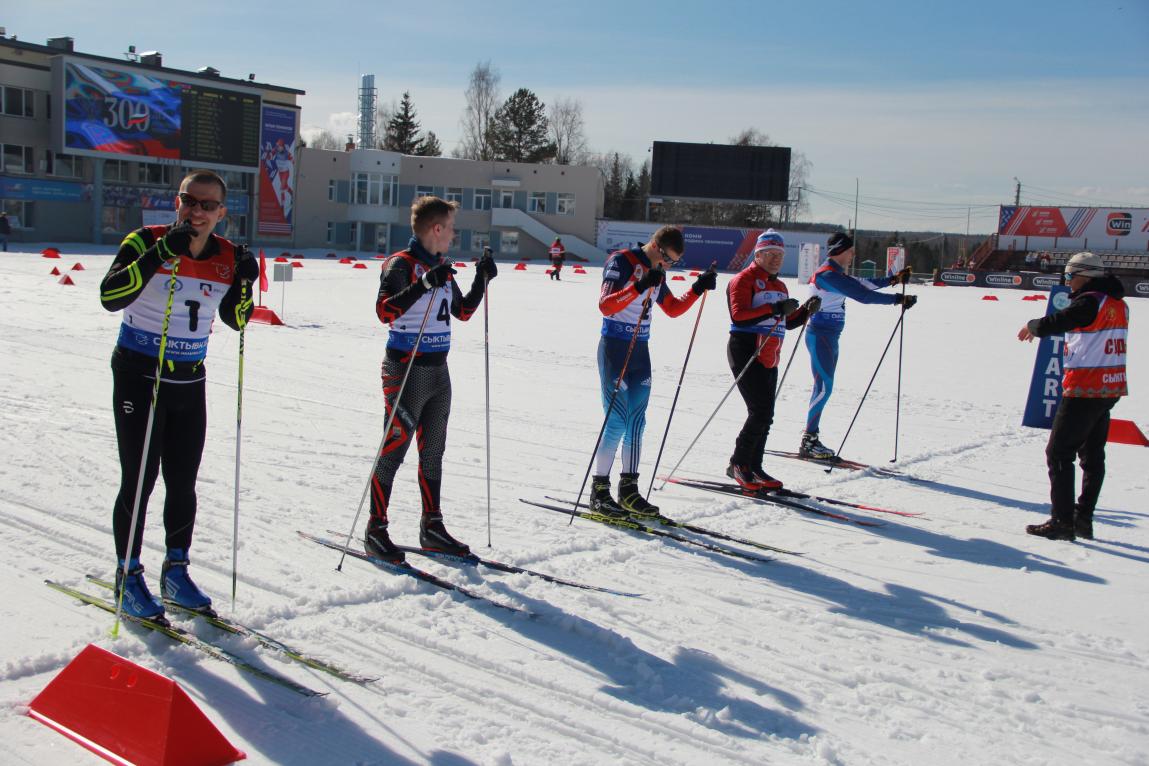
(138, 601)
(178, 587)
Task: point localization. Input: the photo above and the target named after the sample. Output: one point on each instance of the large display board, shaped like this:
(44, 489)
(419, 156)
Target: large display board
(720, 171)
(1095, 228)
(131, 112)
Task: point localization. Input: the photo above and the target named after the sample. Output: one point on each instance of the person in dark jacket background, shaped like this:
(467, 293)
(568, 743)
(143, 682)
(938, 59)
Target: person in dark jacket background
(1096, 326)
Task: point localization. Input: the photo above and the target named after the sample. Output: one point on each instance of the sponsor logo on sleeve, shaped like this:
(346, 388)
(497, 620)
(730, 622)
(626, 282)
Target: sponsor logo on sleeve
(1118, 224)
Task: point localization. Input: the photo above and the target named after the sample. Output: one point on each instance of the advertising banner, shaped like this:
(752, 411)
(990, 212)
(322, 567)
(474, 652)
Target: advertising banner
(1135, 287)
(1045, 385)
(278, 138)
(730, 248)
(34, 189)
(895, 259)
(1097, 227)
(809, 258)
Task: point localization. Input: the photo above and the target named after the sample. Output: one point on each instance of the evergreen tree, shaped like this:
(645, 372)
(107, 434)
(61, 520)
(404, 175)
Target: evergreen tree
(403, 129)
(631, 207)
(518, 130)
(430, 146)
(612, 194)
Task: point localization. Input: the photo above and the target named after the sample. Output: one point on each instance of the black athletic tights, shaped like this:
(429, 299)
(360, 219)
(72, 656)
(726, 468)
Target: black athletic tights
(176, 447)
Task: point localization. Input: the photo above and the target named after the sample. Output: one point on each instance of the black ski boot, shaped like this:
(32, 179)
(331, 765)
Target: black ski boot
(812, 449)
(434, 536)
(601, 501)
(1052, 530)
(631, 499)
(377, 542)
(1083, 523)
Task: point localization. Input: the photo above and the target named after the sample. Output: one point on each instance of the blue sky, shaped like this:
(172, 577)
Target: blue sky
(931, 111)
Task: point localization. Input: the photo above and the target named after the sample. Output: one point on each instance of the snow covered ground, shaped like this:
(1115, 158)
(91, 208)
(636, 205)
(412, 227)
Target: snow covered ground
(953, 638)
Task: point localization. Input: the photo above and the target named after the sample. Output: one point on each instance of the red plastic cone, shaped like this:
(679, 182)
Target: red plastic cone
(296, 265)
(989, 297)
(264, 315)
(281, 259)
(50, 252)
(359, 266)
(78, 267)
(1126, 432)
(520, 267)
(67, 280)
(678, 278)
(55, 272)
(128, 714)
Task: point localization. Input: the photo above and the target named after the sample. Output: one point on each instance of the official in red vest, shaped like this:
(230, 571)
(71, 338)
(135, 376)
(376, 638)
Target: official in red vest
(1096, 326)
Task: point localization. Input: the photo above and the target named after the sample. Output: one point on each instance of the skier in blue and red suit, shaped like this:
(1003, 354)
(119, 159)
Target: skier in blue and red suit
(630, 278)
(833, 285)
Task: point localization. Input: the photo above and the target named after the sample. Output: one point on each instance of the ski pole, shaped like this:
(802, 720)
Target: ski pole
(646, 304)
(867, 391)
(745, 368)
(797, 343)
(898, 409)
(386, 430)
(487, 385)
(677, 391)
(238, 442)
(147, 446)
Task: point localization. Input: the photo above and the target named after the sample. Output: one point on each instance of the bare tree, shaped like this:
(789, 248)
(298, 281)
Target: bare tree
(751, 137)
(800, 168)
(568, 131)
(325, 139)
(482, 98)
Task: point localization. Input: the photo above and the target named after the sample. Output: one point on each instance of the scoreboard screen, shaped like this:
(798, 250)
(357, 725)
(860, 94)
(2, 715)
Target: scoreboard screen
(720, 171)
(143, 115)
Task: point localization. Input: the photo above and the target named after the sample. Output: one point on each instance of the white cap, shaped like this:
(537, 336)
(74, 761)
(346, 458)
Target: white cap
(1086, 264)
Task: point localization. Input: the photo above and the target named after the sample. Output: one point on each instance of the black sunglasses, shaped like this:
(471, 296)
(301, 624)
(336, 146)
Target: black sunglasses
(206, 205)
(666, 256)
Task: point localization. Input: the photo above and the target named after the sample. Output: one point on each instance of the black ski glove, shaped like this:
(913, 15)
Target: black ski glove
(785, 307)
(486, 268)
(902, 277)
(246, 266)
(652, 278)
(906, 301)
(812, 304)
(708, 280)
(438, 276)
(177, 241)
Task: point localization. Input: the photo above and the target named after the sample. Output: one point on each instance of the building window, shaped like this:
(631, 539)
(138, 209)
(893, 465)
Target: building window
(331, 232)
(377, 189)
(16, 102)
(565, 204)
(423, 191)
(506, 198)
(381, 238)
(353, 234)
(537, 202)
(65, 165)
(116, 171)
(479, 240)
(235, 180)
(456, 242)
(20, 212)
(235, 227)
(509, 243)
(332, 185)
(455, 194)
(155, 175)
(482, 199)
(114, 220)
(17, 158)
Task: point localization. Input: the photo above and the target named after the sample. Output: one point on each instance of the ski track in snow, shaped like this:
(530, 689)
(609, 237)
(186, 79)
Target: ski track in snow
(949, 638)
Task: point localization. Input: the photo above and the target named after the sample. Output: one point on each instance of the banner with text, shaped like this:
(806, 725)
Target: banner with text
(1045, 385)
(277, 140)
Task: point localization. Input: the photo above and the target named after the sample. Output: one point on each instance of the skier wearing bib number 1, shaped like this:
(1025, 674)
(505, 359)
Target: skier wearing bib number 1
(169, 281)
(418, 284)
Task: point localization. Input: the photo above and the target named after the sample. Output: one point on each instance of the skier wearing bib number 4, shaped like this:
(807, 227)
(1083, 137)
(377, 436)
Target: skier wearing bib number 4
(418, 296)
(169, 281)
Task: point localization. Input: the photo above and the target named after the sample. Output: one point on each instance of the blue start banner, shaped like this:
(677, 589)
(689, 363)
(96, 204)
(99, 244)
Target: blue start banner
(1045, 386)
